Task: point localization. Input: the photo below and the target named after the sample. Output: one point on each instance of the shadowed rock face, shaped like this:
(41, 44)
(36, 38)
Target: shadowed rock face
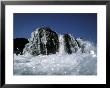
(19, 44)
(49, 43)
(43, 41)
(71, 44)
(67, 41)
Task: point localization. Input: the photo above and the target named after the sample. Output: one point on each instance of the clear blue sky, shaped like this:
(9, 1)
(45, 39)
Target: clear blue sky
(82, 25)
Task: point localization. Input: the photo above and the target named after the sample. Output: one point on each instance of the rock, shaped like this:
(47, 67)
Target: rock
(67, 41)
(43, 41)
(49, 41)
(71, 45)
(19, 44)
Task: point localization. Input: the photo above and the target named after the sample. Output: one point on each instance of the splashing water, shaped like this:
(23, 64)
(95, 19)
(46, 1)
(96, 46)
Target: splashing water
(61, 45)
(55, 64)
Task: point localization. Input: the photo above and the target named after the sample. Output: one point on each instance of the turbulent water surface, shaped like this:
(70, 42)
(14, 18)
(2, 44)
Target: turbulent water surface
(56, 64)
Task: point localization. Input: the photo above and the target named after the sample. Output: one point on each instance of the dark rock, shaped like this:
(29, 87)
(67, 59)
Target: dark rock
(51, 44)
(67, 40)
(19, 44)
(43, 41)
(71, 44)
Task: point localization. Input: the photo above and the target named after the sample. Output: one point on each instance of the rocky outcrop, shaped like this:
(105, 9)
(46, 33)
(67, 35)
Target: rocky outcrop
(43, 41)
(71, 45)
(19, 44)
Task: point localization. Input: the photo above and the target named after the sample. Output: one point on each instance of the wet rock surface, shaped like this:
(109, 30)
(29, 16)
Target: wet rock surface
(44, 41)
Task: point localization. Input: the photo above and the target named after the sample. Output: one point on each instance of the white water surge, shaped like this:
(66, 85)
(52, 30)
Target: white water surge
(61, 45)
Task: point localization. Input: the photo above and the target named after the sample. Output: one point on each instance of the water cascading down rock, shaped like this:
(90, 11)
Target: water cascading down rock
(44, 41)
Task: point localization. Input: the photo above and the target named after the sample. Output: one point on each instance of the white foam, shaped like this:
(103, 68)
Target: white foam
(73, 64)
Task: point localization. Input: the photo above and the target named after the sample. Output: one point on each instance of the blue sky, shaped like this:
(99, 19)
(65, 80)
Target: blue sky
(82, 25)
